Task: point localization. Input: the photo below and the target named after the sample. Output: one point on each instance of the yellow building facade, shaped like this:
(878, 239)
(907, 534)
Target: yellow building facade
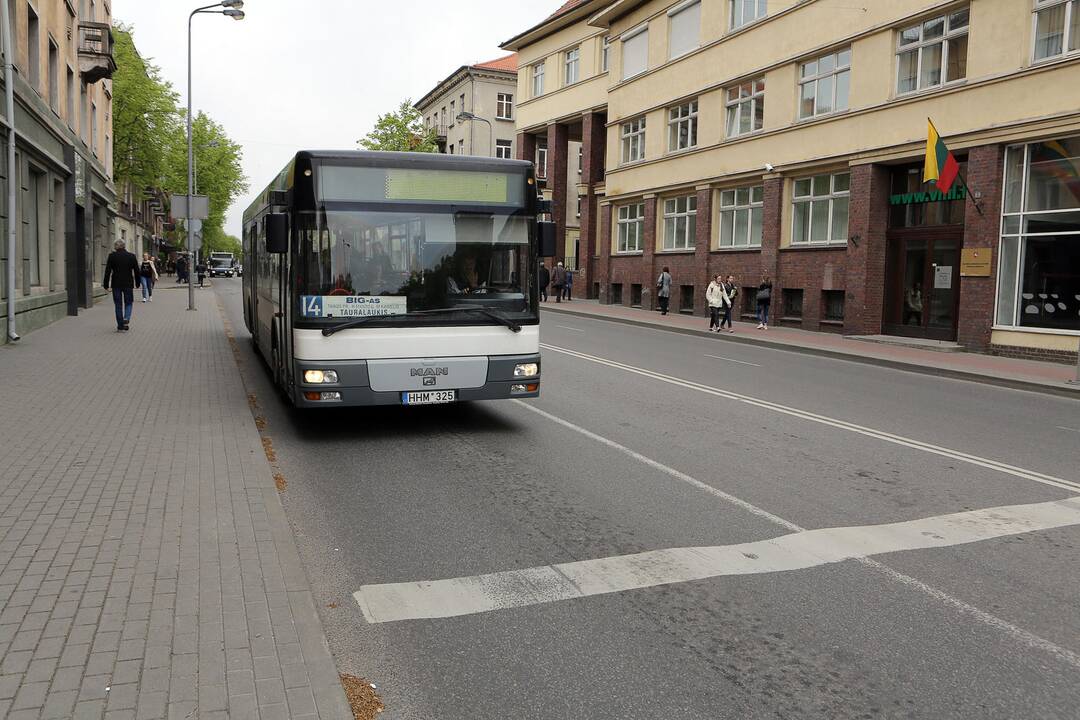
(787, 139)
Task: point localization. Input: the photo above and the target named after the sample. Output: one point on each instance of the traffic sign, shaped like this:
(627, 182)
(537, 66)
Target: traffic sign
(200, 207)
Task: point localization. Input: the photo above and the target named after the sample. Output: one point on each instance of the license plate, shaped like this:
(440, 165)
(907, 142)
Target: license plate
(428, 397)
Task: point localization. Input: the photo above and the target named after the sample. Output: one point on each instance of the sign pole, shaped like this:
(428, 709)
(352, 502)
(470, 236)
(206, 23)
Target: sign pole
(190, 180)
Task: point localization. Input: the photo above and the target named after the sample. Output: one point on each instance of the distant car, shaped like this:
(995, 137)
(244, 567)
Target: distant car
(221, 270)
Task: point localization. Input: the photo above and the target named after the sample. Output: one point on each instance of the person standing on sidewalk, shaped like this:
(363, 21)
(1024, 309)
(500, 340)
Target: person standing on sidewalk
(122, 273)
(569, 285)
(200, 270)
(543, 276)
(558, 280)
(663, 289)
(732, 292)
(715, 296)
(764, 300)
(149, 275)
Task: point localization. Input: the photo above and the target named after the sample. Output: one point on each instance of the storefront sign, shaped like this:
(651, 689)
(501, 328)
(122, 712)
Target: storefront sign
(943, 277)
(975, 262)
(915, 198)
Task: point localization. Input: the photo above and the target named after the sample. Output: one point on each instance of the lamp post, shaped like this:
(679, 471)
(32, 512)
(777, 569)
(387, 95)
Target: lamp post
(230, 8)
(491, 130)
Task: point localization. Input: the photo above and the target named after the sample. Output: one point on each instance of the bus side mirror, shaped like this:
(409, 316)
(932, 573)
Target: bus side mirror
(277, 233)
(547, 239)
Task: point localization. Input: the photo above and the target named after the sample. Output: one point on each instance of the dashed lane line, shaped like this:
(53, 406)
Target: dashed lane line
(727, 359)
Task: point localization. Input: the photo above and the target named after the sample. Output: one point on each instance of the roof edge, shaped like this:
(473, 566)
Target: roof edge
(551, 24)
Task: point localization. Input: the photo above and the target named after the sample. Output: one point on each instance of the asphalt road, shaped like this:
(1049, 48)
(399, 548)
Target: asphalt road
(645, 441)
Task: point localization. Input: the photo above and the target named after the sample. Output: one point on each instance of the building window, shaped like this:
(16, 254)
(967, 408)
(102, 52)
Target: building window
(741, 213)
(682, 126)
(84, 114)
(684, 28)
(54, 77)
(450, 149)
(71, 97)
(932, 52)
(1038, 281)
(820, 212)
(635, 52)
(744, 12)
(504, 107)
(633, 140)
(1057, 28)
(746, 107)
(580, 159)
(462, 98)
(443, 115)
(33, 48)
(631, 227)
(680, 222)
(573, 66)
(541, 160)
(453, 114)
(461, 147)
(832, 305)
(538, 79)
(605, 53)
(793, 302)
(93, 128)
(504, 149)
(824, 83)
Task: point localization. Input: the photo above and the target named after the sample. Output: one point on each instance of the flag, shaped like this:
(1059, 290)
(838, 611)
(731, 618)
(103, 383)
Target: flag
(940, 164)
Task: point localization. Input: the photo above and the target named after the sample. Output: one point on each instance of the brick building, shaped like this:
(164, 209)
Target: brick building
(66, 203)
(788, 138)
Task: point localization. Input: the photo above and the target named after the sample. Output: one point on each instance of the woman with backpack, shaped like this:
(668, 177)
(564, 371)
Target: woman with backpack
(764, 300)
(716, 296)
(149, 275)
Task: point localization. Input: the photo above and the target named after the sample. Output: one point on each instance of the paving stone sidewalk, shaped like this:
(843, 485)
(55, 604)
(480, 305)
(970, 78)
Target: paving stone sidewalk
(146, 566)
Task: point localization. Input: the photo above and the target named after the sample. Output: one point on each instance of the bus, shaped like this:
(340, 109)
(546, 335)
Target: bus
(379, 278)
(223, 264)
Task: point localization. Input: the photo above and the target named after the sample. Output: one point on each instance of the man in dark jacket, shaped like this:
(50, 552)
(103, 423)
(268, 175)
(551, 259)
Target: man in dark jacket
(558, 280)
(544, 278)
(122, 272)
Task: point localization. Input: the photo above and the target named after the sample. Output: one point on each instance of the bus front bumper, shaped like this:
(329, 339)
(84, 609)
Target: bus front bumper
(353, 388)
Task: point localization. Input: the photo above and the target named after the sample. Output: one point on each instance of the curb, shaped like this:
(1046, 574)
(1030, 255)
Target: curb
(1064, 390)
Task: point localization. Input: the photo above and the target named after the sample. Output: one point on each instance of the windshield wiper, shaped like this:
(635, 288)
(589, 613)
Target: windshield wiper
(479, 309)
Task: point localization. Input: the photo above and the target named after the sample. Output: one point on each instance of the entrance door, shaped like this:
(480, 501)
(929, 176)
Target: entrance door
(922, 282)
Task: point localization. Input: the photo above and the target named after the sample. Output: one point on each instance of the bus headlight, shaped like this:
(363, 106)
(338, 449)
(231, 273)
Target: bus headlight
(320, 377)
(526, 370)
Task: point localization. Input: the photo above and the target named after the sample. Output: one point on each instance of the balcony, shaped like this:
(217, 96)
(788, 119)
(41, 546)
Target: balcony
(96, 60)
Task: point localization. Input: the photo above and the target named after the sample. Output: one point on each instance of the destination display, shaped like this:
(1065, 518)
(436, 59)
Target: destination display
(408, 185)
(349, 306)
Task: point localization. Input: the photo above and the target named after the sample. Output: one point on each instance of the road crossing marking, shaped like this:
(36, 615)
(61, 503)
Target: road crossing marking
(796, 551)
(831, 422)
(741, 362)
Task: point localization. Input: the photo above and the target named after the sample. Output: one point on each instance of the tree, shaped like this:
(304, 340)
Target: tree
(402, 130)
(145, 116)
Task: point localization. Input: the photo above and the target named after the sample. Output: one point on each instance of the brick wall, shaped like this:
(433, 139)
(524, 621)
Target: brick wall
(557, 139)
(1026, 353)
(985, 167)
(594, 138)
(868, 221)
(813, 271)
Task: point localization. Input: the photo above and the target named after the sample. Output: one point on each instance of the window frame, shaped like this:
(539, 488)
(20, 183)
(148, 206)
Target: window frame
(507, 104)
(605, 53)
(629, 130)
(672, 13)
(922, 43)
(733, 4)
(671, 216)
(538, 71)
(811, 199)
(541, 155)
(734, 208)
(572, 66)
(626, 37)
(755, 99)
(816, 79)
(508, 146)
(1071, 7)
(622, 245)
(674, 123)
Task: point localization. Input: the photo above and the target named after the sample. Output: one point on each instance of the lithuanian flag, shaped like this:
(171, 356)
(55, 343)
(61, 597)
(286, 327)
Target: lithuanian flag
(940, 166)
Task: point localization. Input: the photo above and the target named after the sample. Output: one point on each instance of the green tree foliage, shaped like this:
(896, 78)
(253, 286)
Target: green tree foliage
(145, 116)
(219, 175)
(402, 130)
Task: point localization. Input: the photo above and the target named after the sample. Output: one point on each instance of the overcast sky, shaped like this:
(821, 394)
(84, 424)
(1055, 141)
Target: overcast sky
(315, 73)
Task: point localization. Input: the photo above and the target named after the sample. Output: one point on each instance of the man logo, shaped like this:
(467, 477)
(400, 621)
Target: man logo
(429, 380)
(429, 371)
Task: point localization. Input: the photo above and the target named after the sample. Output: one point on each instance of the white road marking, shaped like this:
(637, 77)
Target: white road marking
(797, 551)
(831, 422)
(1062, 427)
(741, 362)
(567, 327)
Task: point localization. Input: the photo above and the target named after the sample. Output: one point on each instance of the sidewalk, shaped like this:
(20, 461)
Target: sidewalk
(1044, 377)
(146, 565)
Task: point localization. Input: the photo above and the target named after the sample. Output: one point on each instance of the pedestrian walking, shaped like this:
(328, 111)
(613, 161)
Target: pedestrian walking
(543, 276)
(716, 297)
(558, 280)
(200, 270)
(663, 289)
(122, 274)
(149, 275)
(181, 270)
(568, 285)
(764, 300)
(732, 292)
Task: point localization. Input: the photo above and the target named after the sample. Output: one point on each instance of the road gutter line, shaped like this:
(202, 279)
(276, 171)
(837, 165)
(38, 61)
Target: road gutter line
(741, 362)
(567, 327)
(831, 422)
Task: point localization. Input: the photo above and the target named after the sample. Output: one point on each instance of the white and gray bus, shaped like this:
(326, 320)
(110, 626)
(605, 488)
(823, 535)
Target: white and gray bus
(397, 278)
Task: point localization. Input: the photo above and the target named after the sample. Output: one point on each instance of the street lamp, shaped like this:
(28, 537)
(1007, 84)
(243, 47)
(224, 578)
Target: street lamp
(462, 116)
(230, 8)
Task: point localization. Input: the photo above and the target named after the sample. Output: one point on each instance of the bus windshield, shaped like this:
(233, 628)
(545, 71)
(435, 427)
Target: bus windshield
(413, 258)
